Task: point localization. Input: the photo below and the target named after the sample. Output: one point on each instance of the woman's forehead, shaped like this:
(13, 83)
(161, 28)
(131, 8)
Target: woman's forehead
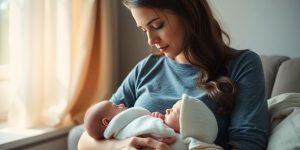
(143, 15)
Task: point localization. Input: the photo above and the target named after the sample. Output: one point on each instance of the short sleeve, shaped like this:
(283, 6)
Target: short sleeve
(126, 93)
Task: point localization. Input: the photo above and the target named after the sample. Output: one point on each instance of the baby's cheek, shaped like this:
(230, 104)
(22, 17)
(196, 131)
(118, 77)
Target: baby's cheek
(177, 127)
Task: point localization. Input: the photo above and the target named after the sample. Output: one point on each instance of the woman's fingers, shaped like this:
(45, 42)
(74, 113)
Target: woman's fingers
(138, 142)
(169, 140)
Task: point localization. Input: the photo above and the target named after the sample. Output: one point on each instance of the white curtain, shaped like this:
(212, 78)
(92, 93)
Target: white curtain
(50, 51)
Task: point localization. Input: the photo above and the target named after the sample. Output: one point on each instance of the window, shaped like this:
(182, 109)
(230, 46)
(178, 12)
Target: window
(4, 31)
(4, 60)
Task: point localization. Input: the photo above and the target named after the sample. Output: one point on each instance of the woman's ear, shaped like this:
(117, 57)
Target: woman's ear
(105, 121)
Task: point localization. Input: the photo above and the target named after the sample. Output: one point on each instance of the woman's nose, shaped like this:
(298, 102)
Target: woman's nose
(152, 38)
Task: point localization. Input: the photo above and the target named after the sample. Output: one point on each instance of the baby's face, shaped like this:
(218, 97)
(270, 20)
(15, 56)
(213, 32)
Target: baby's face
(172, 116)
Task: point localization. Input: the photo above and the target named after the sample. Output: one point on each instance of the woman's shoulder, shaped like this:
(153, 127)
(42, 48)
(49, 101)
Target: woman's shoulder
(245, 60)
(244, 57)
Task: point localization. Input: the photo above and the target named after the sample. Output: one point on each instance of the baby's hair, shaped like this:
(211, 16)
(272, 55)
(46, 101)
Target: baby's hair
(93, 121)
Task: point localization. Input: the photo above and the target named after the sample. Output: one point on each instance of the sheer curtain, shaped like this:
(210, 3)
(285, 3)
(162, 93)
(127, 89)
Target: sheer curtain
(61, 59)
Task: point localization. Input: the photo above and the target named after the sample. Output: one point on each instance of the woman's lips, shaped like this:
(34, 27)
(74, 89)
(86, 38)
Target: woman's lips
(163, 49)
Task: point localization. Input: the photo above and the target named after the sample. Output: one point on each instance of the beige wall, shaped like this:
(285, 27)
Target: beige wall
(132, 42)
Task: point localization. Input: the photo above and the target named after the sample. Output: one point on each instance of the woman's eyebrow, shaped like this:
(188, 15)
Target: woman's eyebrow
(149, 22)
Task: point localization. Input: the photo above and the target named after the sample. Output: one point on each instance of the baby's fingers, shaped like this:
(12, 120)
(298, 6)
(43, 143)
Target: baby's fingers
(158, 115)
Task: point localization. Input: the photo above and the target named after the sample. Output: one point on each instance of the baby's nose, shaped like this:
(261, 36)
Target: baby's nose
(121, 105)
(168, 111)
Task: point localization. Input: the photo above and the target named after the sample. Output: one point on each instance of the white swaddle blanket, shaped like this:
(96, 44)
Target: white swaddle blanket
(138, 121)
(198, 126)
(134, 122)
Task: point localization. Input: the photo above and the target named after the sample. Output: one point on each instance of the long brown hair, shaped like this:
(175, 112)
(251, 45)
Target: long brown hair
(204, 47)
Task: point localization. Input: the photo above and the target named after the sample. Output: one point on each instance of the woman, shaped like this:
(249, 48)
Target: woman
(193, 59)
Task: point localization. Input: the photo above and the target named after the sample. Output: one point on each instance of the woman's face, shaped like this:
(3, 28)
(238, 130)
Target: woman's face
(164, 30)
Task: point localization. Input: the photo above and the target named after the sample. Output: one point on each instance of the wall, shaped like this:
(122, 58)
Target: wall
(132, 42)
(265, 26)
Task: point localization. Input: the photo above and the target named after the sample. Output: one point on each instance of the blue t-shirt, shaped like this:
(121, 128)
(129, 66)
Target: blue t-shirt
(157, 82)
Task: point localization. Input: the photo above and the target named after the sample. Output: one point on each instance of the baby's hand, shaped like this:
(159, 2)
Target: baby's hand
(158, 115)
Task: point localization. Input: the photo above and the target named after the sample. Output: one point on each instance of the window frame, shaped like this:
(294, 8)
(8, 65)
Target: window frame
(5, 91)
(5, 82)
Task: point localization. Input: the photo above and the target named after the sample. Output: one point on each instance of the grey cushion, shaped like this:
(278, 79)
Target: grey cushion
(288, 76)
(271, 65)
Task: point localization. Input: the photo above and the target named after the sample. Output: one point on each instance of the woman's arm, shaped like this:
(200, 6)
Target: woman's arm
(88, 143)
(249, 120)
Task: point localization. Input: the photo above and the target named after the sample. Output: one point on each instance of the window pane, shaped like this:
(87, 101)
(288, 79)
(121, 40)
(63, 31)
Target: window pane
(4, 58)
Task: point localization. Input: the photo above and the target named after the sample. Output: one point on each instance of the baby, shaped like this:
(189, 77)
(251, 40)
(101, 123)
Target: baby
(98, 116)
(107, 120)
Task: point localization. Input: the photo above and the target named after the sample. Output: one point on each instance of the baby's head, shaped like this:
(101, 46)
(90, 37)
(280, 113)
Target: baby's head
(99, 115)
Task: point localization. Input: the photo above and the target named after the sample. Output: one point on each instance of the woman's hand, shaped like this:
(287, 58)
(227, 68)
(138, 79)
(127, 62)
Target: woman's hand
(169, 140)
(135, 143)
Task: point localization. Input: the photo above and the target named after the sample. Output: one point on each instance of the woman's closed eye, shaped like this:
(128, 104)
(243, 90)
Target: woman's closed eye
(154, 27)
(158, 26)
